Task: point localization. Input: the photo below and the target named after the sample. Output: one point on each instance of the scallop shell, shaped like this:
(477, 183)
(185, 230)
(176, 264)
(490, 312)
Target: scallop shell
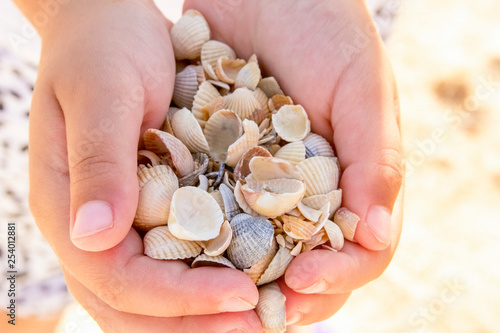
(316, 145)
(189, 34)
(334, 235)
(277, 267)
(156, 188)
(272, 198)
(242, 169)
(227, 70)
(219, 244)
(347, 222)
(294, 152)
(231, 208)
(248, 140)
(240, 199)
(204, 260)
(267, 168)
(210, 54)
(321, 175)
(206, 94)
(259, 268)
(221, 131)
(167, 124)
(187, 129)
(200, 73)
(159, 243)
(186, 86)
(297, 228)
(169, 147)
(270, 86)
(317, 201)
(291, 123)
(252, 239)
(200, 167)
(271, 308)
(242, 102)
(249, 76)
(194, 215)
(261, 96)
(308, 212)
(277, 101)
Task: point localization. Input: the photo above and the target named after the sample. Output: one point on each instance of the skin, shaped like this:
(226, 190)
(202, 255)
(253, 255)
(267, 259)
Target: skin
(83, 148)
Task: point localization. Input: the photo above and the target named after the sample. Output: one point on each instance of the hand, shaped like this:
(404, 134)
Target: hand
(106, 74)
(328, 58)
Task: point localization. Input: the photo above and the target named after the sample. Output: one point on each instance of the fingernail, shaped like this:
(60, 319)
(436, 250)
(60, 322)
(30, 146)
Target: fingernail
(316, 288)
(91, 218)
(379, 224)
(295, 318)
(236, 304)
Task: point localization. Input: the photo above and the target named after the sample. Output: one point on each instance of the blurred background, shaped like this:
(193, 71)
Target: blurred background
(444, 276)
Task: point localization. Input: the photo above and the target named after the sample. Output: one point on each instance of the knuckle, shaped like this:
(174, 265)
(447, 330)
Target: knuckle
(390, 167)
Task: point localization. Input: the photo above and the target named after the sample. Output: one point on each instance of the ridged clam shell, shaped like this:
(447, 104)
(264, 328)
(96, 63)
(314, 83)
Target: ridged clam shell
(277, 267)
(167, 145)
(308, 212)
(227, 70)
(261, 96)
(317, 201)
(189, 34)
(334, 235)
(294, 152)
(206, 94)
(204, 260)
(272, 198)
(267, 168)
(200, 167)
(271, 308)
(277, 101)
(167, 124)
(259, 268)
(248, 140)
(249, 76)
(211, 51)
(252, 239)
(200, 73)
(240, 199)
(156, 188)
(231, 208)
(347, 222)
(221, 131)
(218, 197)
(159, 243)
(194, 215)
(219, 244)
(242, 102)
(317, 239)
(321, 175)
(270, 86)
(187, 129)
(316, 145)
(186, 86)
(242, 169)
(297, 228)
(291, 123)
(147, 157)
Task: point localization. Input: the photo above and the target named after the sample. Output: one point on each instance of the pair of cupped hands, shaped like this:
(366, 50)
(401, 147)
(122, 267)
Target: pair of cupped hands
(106, 75)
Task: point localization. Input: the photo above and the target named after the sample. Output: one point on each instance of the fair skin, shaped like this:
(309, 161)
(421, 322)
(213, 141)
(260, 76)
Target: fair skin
(106, 74)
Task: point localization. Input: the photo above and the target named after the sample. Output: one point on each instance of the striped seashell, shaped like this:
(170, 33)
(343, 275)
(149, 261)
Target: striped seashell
(187, 129)
(217, 246)
(206, 94)
(231, 208)
(186, 86)
(317, 239)
(347, 222)
(242, 102)
(294, 152)
(200, 73)
(210, 54)
(317, 201)
(242, 169)
(167, 124)
(270, 86)
(334, 235)
(189, 34)
(308, 212)
(248, 140)
(291, 123)
(261, 96)
(316, 145)
(297, 228)
(249, 76)
(259, 268)
(221, 131)
(267, 168)
(200, 167)
(321, 175)
(271, 308)
(240, 199)
(159, 243)
(277, 267)
(227, 70)
(277, 101)
(204, 260)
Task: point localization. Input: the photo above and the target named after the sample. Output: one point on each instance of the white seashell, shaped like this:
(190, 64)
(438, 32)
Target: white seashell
(252, 239)
(273, 148)
(170, 148)
(187, 129)
(221, 85)
(316, 145)
(200, 73)
(242, 169)
(267, 168)
(242, 102)
(277, 101)
(259, 268)
(308, 212)
(231, 208)
(261, 96)
(227, 70)
(274, 197)
(248, 140)
(194, 215)
(317, 201)
(203, 182)
(147, 157)
(228, 182)
(167, 126)
(204, 260)
(218, 197)
(321, 175)
(291, 123)
(334, 235)
(294, 152)
(270, 86)
(296, 249)
(159, 243)
(186, 86)
(200, 166)
(219, 244)
(240, 199)
(189, 34)
(221, 131)
(210, 54)
(347, 222)
(277, 267)
(249, 76)
(206, 94)
(271, 308)
(325, 210)
(297, 228)
(317, 239)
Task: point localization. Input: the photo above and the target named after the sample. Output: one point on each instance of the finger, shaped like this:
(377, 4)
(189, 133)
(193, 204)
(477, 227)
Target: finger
(122, 276)
(111, 320)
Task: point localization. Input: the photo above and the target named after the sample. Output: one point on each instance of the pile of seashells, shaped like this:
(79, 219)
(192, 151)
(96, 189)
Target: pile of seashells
(235, 178)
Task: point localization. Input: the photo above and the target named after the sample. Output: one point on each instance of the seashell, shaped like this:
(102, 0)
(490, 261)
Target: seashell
(317, 201)
(241, 170)
(272, 198)
(248, 140)
(321, 175)
(242, 102)
(334, 235)
(167, 124)
(297, 228)
(296, 249)
(316, 145)
(187, 129)
(270, 86)
(189, 34)
(212, 107)
(204, 260)
(259, 268)
(221, 131)
(206, 94)
(228, 182)
(203, 182)
(219, 244)
(325, 210)
(347, 222)
(309, 213)
(218, 197)
(221, 85)
(210, 54)
(267, 168)
(252, 239)
(277, 101)
(231, 208)
(277, 267)
(273, 149)
(147, 157)
(170, 148)
(227, 70)
(194, 215)
(200, 73)
(259, 116)
(156, 188)
(294, 152)
(249, 76)
(159, 243)
(200, 167)
(291, 123)
(271, 308)
(186, 86)
(317, 239)
(240, 199)
(261, 96)
(295, 212)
